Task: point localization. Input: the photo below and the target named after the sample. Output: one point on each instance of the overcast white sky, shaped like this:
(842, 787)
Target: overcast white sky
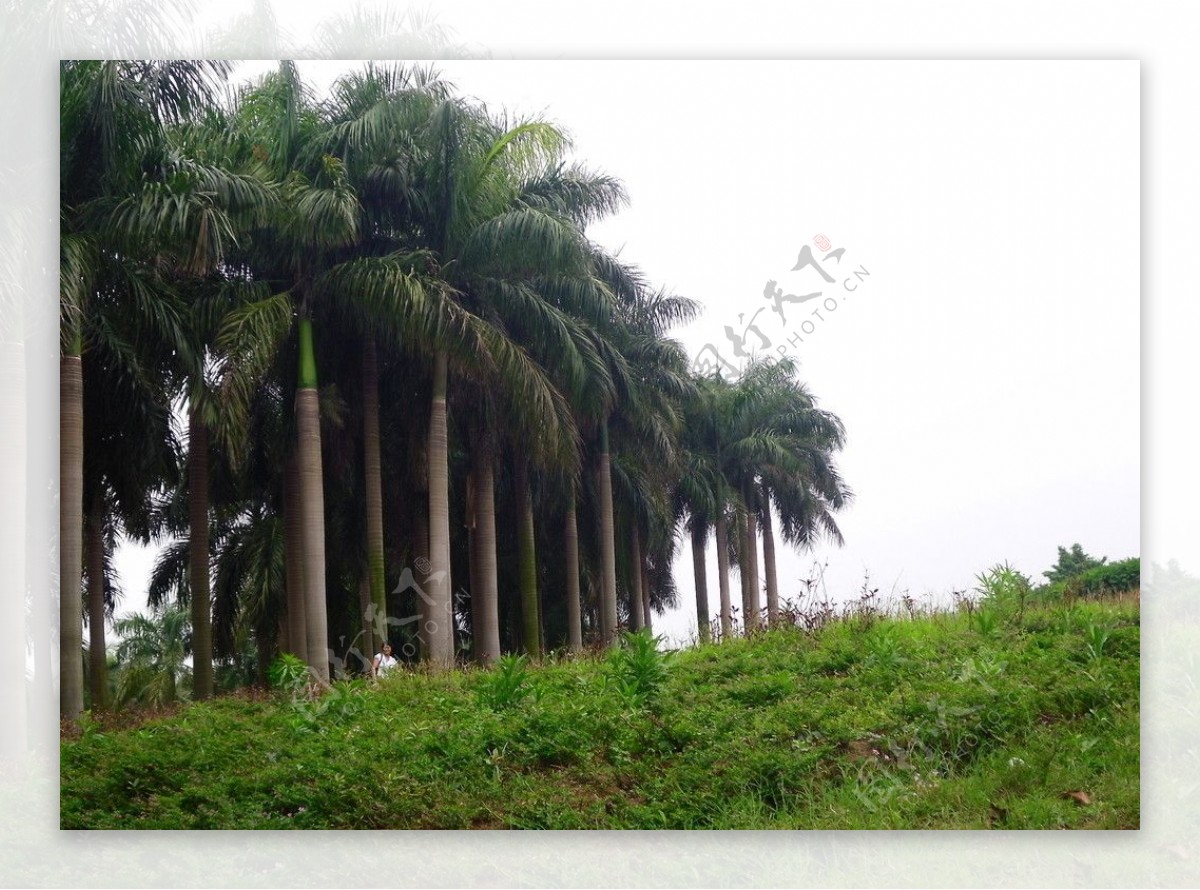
(987, 369)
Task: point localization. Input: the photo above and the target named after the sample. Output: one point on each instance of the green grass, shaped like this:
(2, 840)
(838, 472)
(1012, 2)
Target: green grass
(921, 723)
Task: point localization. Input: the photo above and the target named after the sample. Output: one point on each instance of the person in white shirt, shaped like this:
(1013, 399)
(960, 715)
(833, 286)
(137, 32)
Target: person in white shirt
(384, 662)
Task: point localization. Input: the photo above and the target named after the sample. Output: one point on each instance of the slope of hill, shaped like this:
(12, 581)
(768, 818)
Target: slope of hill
(943, 721)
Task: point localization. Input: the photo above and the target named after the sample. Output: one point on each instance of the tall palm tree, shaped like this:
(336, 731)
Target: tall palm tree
(647, 423)
(571, 558)
(776, 446)
(699, 496)
(112, 122)
(327, 273)
(806, 489)
(503, 224)
(374, 115)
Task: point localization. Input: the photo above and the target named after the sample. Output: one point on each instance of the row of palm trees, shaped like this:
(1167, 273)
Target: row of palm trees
(419, 402)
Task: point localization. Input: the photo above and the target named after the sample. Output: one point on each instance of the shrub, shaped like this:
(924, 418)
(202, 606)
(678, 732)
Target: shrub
(340, 703)
(1114, 578)
(637, 669)
(289, 674)
(1103, 580)
(507, 685)
(1002, 586)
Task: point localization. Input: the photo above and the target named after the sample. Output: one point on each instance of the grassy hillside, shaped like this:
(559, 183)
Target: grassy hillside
(944, 721)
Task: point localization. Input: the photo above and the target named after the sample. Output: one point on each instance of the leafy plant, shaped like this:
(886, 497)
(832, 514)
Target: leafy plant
(289, 674)
(1098, 581)
(152, 655)
(883, 652)
(1095, 636)
(506, 686)
(341, 701)
(637, 668)
(985, 621)
(1004, 587)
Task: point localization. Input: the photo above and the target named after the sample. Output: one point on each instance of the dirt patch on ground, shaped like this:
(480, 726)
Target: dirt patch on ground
(864, 750)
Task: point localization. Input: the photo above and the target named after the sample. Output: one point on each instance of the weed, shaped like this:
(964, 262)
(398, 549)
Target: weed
(339, 703)
(883, 650)
(637, 668)
(289, 674)
(1095, 637)
(507, 685)
(985, 621)
(864, 611)
(1005, 588)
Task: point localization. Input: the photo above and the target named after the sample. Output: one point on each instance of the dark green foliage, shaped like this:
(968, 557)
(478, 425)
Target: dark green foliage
(1072, 563)
(1116, 577)
(1102, 580)
(921, 723)
(289, 674)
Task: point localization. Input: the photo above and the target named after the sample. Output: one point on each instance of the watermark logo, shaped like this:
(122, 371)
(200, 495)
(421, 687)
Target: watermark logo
(388, 627)
(794, 311)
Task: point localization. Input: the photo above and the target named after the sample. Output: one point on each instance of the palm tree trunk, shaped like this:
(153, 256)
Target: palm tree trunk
(541, 618)
(367, 644)
(647, 617)
(97, 655)
(374, 488)
(198, 568)
(722, 533)
(608, 549)
(312, 507)
(571, 546)
(701, 574)
(293, 548)
(750, 597)
(530, 626)
(473, 566)
(772, 577)
(440, 620)
(70, 537)
(485, 589)
(420, 570)
(637, 609)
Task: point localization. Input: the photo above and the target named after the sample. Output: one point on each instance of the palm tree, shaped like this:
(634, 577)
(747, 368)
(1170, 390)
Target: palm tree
(748, 557)
(770, 444)
(646, 423)
(373, 118)
(503, 227)
(326, 272)
(805, 489)
(571, 557)
(100, 601)
(113, 116)
(699, 497)
(485, 624)
(212, 193)
(152, 656)
(244, 539)
(249, 596)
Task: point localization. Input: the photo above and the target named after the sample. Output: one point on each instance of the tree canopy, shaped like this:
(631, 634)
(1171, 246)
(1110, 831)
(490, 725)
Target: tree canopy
(356, 361)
